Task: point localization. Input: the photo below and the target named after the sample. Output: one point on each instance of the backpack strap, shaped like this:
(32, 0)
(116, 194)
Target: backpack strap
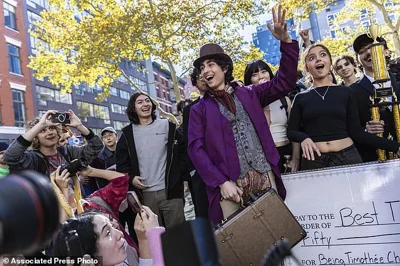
(284, 105)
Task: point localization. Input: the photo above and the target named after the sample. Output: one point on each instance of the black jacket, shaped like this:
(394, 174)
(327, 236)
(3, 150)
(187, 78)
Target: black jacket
(19, 158)
(186, 115)
(127, 160)
(363, 90)
(105, 159)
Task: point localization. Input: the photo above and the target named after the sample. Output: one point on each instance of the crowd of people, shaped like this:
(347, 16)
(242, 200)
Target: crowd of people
(233, 142)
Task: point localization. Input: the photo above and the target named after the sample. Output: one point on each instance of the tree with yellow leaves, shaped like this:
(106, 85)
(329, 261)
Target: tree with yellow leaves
(90, 38)
(389, 10)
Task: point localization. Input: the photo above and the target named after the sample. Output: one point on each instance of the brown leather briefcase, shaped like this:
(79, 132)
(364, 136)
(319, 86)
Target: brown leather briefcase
(245, 237)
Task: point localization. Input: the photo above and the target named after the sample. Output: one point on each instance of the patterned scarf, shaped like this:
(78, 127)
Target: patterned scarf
(225, 97)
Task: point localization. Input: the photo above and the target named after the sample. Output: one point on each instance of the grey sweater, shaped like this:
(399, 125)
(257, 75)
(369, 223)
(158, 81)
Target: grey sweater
(151, 147)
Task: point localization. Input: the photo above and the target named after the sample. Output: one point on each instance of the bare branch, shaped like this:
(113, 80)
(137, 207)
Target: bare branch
(397, 24)
(186, 71)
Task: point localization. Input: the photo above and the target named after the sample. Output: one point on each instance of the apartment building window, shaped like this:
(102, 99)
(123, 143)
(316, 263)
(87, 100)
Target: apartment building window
(364, 13)
(9, 16)
(19, 108)
(97, 89)
(13, 59)
(79, 91)
(138, 82)
(32, 18)
(96, 131)
(46, 94)
(102, 112)
(119, 125)
(42, 3)
(85, 110)
(93, 110)
(366, 24)
(124, 94)
(119, 109)
(114, 91)
(331, 18)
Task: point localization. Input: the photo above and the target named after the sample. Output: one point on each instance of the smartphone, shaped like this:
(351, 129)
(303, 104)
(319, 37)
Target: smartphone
(134, 202)
(62, 118)
(74, 245)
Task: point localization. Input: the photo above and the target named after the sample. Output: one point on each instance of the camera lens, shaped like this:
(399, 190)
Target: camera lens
(29, 213)
(61, 118)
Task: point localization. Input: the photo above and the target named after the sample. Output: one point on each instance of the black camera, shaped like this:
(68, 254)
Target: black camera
(73, 244)
(75, 166)
(29, 213)
(62, 118)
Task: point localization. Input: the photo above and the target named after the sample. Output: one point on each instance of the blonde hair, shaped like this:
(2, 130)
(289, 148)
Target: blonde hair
(35, 141)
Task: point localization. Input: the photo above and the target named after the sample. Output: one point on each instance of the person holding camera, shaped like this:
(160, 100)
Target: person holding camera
(100, 234)
(43, 135)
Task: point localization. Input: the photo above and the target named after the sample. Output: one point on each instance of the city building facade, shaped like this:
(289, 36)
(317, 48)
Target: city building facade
(16, 90)
(23, 96)
(266, 42)
(164, 88)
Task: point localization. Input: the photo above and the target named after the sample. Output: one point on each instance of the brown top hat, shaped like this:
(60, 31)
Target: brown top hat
(209, 51)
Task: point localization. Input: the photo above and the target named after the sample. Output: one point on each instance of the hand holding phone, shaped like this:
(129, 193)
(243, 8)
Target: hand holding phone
(134, 202)
(150, 219)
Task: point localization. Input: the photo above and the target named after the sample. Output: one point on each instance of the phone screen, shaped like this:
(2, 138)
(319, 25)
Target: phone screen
(134, 202)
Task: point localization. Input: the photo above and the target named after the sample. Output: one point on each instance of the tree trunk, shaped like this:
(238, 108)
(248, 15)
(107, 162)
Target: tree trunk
(175, 81)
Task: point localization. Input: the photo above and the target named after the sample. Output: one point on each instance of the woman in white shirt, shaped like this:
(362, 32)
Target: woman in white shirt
(277, 114)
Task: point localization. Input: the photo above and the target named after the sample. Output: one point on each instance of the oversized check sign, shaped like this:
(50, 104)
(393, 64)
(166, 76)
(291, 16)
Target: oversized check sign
(351, 214)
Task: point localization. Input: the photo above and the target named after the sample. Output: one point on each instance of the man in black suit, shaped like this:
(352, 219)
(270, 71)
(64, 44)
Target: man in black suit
(364, 89)
(199, 193)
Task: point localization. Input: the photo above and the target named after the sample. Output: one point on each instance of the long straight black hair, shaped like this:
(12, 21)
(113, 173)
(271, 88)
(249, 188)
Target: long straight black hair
(254, 67)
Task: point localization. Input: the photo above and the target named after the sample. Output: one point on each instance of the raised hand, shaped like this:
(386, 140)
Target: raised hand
(45, 120)
(74, 119)
(304, 34)
(279, 29)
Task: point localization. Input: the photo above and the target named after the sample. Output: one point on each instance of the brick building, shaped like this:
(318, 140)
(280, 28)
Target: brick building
(22, 96)
(16, 96)
(164, 88)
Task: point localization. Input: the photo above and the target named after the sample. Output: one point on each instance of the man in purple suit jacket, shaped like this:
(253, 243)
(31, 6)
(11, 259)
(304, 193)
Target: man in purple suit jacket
(227, 112)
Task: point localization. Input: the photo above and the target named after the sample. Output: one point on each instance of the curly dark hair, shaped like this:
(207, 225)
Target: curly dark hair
(83, 224)
(348, 59)
(225, 65)
(182, 105)
(131, 110)
(194, 76)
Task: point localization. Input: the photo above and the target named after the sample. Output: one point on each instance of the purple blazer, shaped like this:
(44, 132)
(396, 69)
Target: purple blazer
(211, 144)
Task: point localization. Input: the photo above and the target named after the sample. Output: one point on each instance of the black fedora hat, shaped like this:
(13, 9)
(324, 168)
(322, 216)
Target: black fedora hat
(209, 51)
(365, 40)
